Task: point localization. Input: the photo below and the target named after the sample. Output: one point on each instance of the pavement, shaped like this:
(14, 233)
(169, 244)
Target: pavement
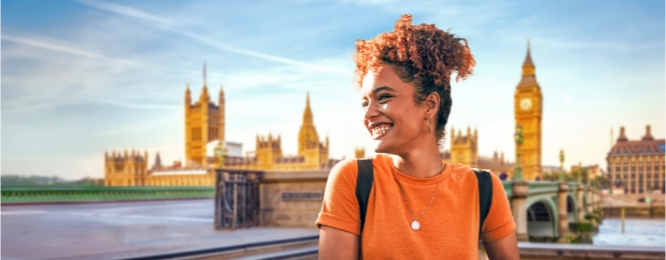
(122, 230)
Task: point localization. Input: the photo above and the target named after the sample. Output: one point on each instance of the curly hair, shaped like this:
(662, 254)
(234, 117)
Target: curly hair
(421, 55)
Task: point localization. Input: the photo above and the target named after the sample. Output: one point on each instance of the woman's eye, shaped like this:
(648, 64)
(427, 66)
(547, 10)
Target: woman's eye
(383, 97)
(364, 104)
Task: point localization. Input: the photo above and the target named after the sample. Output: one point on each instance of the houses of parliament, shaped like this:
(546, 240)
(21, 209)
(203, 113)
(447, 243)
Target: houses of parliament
(205, 128)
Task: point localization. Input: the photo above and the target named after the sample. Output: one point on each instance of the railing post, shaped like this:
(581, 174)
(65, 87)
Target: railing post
(234, 220)
(579, 202)
(237, 198)
(563, 220)
(520, 191)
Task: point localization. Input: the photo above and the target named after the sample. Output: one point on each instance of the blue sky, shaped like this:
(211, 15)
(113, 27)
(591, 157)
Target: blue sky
(83, 77)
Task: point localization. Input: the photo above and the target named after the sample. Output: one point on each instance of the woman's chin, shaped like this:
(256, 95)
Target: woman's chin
(382, 147)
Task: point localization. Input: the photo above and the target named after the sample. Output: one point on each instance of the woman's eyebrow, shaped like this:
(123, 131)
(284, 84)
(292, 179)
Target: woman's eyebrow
(374, 91)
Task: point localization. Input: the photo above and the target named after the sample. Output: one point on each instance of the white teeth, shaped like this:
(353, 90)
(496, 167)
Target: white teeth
(381, 129)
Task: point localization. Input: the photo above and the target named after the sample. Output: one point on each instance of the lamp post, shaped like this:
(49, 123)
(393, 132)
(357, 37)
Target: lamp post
(580, 173)
(220, 154)
(562, 179)
(518, 170)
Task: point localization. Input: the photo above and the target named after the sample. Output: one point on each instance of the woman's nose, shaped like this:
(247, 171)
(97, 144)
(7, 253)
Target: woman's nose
(370, 112)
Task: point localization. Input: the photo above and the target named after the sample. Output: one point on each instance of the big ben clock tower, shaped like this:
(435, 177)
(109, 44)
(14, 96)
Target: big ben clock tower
(528, 107)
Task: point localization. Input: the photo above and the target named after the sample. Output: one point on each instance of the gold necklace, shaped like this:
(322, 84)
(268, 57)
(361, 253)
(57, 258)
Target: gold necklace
(415, 223)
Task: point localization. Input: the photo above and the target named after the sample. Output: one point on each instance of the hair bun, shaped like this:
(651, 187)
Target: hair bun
(427, 52)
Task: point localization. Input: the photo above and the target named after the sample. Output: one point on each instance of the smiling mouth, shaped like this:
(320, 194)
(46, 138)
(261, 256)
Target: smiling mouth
(381, 129)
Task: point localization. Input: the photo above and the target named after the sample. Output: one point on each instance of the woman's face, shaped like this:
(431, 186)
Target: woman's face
(395, 122)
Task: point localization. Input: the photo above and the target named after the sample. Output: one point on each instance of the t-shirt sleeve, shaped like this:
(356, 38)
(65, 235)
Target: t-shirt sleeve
(499, 222)
(340, 208)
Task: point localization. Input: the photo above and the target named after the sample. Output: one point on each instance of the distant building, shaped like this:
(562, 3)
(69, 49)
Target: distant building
(528, 111)
(464, 150)
(593, 171)
(637, 166)
(204, 123)
(125, 169)
(204, 130)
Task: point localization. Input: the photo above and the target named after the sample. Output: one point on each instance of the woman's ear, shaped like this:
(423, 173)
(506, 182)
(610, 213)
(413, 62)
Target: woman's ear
(432, 104)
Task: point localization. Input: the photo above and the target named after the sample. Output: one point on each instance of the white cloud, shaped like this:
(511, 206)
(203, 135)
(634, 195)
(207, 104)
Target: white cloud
(60, 48)
(165, 24)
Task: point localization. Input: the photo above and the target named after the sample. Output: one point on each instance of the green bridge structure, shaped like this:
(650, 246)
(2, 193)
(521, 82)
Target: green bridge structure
(64, 194)
(540, 208)
(549, 209)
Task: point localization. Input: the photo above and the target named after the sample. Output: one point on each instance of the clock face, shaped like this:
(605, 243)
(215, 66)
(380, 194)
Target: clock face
(525, 103)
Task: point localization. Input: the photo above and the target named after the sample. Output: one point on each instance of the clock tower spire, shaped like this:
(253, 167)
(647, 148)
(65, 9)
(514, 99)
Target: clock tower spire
(528, 110)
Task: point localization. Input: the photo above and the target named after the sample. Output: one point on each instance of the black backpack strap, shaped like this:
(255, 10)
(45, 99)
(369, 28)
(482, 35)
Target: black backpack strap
(485, 195)
(363, 186)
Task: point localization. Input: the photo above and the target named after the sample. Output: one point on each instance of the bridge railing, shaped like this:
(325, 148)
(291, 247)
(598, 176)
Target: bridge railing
(12, 195)
(540, 187)
(236, 198)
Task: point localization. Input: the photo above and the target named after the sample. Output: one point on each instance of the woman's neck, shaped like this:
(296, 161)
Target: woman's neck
(420, 163)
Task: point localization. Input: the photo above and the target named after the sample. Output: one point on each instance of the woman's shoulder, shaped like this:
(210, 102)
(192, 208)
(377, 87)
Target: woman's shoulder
(460, 170)
(464, 171)
(351, 164)
(348, 168)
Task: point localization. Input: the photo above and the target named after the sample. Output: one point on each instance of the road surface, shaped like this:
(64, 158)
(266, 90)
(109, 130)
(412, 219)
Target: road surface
(121, 229)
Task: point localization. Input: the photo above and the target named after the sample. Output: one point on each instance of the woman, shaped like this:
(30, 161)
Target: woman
(419, 207)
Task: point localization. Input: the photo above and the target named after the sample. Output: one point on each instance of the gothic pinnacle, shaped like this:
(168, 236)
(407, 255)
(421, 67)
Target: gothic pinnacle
(528, 57)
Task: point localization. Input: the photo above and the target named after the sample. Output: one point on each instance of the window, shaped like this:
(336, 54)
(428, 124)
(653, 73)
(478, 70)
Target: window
(196, 133)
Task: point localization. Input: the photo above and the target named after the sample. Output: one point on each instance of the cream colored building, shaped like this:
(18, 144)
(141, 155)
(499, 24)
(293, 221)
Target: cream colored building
(637, 166)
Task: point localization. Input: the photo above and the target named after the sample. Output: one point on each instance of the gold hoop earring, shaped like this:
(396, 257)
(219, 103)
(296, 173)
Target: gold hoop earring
(429, 125)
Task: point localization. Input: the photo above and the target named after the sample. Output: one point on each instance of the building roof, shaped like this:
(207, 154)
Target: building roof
(639, 147)
(528, 57)
(647, 145)
(528, 81)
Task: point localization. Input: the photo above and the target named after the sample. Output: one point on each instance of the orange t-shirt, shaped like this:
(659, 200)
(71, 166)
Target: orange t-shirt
(449, 229)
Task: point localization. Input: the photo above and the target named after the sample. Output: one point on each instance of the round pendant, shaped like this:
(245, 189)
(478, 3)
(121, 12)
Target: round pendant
(416, 225)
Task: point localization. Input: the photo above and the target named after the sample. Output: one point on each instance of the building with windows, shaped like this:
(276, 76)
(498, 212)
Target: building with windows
(637, 166)
(464, 150)
(204, 130)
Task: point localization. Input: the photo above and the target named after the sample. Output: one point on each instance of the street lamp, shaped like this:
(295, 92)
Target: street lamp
(562, 166)
(220, 154)
(518, 170)
(580, 173)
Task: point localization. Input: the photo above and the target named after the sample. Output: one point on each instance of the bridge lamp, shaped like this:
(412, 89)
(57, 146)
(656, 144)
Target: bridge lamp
(221, 154)
(518, 136)
(562, 166)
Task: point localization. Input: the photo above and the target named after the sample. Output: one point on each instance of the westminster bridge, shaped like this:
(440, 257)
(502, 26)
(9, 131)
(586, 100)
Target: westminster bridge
(281, 213)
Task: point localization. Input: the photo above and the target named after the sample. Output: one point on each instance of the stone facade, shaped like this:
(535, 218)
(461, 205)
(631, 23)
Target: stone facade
(636, 167)
(528, 107)
(205, 125)
(125, 169)
(464, 149)
(291, 198)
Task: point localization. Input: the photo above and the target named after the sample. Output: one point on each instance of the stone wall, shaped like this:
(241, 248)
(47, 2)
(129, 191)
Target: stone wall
(291, 198)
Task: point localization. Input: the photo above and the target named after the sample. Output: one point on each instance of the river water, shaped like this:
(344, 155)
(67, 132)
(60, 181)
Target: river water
(637, 232)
